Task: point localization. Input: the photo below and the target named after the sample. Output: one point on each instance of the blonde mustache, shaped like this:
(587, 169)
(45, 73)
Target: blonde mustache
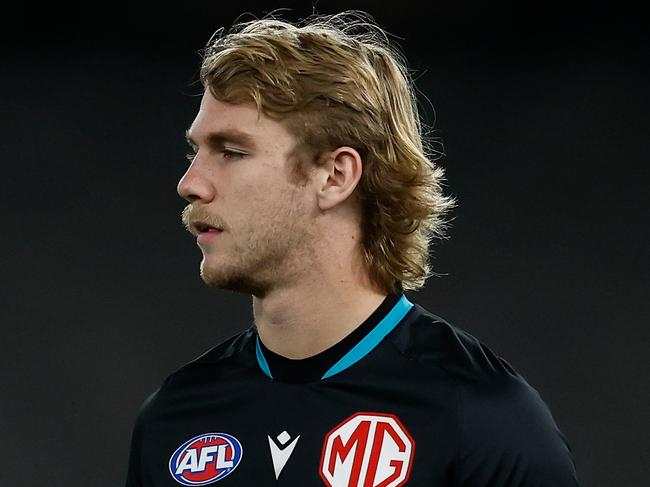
(191, 214)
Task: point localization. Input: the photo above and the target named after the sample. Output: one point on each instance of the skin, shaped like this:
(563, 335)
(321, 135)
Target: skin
(295, 247)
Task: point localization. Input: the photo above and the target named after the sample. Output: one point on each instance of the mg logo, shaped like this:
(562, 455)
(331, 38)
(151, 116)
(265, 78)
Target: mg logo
(367, 450)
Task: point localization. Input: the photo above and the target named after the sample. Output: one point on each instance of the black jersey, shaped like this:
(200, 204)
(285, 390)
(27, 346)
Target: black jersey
(405, 399)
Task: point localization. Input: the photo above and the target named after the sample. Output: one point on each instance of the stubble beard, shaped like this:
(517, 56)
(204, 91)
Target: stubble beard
(272, 254)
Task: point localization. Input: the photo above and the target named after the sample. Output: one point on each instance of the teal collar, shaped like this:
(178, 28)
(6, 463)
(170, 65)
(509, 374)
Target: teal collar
(341, 356)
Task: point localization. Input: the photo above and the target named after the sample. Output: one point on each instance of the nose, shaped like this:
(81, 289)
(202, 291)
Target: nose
(196, 184)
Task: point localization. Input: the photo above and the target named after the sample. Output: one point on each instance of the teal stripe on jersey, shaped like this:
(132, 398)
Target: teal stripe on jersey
(260, 358)
(372, 339)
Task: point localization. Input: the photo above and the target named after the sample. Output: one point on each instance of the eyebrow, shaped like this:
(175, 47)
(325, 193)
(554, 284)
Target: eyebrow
(220, 137)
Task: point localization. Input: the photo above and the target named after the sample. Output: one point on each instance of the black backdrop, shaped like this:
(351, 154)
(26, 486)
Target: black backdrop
(544, 115)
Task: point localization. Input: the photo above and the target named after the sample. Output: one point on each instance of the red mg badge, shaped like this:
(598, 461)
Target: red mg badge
(367, 450)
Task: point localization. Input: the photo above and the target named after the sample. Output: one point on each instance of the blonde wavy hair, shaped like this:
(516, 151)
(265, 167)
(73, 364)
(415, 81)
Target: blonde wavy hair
(336, 81)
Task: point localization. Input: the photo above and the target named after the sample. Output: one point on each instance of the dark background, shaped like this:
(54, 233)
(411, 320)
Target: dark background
(544, 116)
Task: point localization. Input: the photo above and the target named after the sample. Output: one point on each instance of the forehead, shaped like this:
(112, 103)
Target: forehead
(215, 116)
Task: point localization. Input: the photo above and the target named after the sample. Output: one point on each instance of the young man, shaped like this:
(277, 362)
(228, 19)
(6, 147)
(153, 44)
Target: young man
(310, 188)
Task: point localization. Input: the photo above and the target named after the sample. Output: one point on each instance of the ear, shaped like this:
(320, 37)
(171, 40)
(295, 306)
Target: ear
(338, 177)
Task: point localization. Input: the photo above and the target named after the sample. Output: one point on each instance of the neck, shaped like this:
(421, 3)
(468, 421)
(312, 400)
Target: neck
(327, 296)
(304, 320)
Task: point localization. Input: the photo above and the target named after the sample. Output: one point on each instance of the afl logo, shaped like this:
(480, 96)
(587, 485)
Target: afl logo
(205, 459)
(367, 450)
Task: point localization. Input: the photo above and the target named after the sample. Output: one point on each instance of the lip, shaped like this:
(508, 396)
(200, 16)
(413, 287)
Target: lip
(208, 236)
(198, 226)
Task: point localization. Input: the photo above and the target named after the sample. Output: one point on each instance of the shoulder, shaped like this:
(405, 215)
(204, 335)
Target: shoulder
(217, 364)
(505, 429)
(431, 341)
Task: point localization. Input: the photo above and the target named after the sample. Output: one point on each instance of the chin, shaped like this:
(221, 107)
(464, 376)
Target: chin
(231, 281)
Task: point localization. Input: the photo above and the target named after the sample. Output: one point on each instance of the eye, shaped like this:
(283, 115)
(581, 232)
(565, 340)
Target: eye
(231, 154)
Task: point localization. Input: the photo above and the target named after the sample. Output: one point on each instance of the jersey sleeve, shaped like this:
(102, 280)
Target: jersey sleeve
(134, 471)
(508, 438)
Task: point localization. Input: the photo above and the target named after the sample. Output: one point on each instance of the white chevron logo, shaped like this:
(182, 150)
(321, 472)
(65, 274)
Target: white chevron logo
(281, 453)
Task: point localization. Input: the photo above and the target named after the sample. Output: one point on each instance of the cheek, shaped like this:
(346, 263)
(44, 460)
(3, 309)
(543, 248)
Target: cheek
(266, 203)
(257, 208)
